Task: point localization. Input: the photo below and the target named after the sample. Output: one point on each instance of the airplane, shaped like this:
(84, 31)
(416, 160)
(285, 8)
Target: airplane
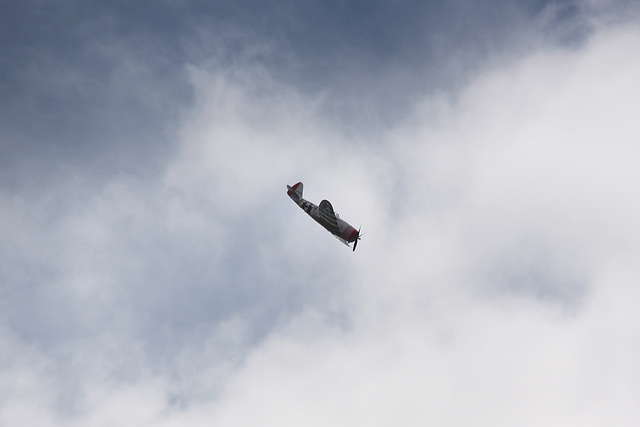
(325, 216)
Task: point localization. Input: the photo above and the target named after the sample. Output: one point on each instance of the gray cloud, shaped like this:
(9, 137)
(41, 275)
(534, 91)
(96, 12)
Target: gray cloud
(153, 270)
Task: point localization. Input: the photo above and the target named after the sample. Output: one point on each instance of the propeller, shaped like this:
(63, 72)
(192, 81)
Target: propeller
(355, 242)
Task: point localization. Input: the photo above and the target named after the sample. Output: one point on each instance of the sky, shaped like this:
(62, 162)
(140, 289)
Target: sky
(154, 272)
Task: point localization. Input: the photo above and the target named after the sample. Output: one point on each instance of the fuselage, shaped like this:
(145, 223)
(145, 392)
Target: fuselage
(344, 232)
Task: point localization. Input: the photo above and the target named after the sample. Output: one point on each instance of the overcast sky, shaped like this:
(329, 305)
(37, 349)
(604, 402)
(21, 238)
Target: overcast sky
(154, 272)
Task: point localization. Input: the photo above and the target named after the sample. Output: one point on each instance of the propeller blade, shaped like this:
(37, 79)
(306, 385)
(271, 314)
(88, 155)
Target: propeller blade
(355, 242)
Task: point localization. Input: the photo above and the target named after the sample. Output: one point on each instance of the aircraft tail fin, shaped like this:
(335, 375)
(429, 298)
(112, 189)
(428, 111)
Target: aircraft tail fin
(295, 192)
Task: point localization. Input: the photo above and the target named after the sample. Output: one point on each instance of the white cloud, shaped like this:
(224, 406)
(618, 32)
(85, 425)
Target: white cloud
(496, 284)
(503, 293)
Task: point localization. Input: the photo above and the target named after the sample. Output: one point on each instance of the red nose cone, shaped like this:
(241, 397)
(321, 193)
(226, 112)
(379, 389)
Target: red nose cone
(352, 235)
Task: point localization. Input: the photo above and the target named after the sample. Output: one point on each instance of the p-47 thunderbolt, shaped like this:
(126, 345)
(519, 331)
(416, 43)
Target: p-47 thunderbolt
(325, 216)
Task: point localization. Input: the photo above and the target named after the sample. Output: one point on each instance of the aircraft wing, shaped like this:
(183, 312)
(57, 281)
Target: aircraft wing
(342, 240)
(328, 215)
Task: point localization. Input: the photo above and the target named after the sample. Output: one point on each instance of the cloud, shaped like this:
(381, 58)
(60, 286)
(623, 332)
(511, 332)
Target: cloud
(486, 296)
(495, 283)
